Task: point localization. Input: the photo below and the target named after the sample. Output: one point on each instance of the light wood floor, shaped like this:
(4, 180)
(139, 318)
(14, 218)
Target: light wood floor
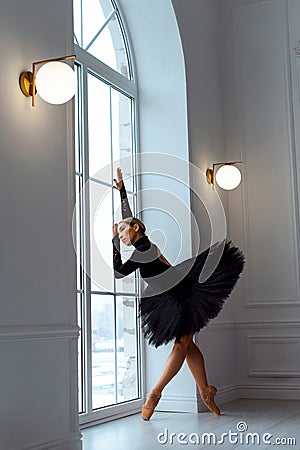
(280, 418)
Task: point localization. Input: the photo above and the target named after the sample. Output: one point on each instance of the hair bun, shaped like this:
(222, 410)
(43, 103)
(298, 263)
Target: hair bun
(141, 224)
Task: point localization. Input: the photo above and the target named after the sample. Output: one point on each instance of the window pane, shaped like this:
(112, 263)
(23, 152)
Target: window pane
(109, 47)
(78, 237)
(122, 134)
(126, 284)
(97, 30)
(99, 126)
(127, 374)
(80, 355)
(103, 350)
(100, 237)
(94, 14)
(78, 167)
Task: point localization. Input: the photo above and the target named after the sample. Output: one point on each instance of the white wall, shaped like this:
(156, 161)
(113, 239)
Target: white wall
(38, 335)
(261, 81)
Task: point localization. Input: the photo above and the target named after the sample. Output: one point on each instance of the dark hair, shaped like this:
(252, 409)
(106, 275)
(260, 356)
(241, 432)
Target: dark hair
(134, 220)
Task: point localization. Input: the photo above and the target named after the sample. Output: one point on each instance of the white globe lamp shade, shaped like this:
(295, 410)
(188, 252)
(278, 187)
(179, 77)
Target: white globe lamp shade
(56, 82)
(228, 177)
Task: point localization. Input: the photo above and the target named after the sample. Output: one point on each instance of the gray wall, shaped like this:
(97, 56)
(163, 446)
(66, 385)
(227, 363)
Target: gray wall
(38, 304)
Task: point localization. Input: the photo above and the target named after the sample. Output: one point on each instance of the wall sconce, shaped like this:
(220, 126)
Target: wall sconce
(55, 81)
(228, 176)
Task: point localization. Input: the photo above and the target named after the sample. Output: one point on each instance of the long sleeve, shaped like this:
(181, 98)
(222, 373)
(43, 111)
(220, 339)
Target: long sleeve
(125, 207)
(121, 270)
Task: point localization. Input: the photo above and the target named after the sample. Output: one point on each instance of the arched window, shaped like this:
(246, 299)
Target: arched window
(109, 350)
(99, 31)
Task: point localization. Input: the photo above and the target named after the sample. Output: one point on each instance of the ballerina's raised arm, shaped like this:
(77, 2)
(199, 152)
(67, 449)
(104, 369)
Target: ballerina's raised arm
(119, 184)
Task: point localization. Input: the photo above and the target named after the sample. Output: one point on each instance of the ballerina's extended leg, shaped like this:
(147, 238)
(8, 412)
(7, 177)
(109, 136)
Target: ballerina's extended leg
(171, 368)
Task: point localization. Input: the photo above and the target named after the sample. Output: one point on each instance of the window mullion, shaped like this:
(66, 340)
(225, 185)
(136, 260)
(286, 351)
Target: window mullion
(81, 24)
(115, 348)
(115, 298)
(87, 280)
(112, 175)
(138, 285)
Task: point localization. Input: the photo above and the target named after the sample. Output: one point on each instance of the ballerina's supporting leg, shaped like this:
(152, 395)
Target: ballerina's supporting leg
(171, 368)
(195, 361)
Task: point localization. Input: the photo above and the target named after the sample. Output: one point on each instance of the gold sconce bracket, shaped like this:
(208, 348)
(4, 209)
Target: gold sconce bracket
(210, 176)
(26, 83)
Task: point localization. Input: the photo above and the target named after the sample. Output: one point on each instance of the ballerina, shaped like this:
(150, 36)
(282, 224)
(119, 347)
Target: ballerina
(175, 305)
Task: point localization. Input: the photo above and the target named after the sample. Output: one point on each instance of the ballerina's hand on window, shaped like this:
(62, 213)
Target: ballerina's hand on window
(115, 230)
(119, 180)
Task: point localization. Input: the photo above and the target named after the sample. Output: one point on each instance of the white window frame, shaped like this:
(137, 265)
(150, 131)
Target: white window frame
(89, 64)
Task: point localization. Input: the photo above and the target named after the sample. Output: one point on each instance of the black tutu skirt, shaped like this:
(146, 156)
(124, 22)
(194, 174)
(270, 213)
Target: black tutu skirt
(189, 305)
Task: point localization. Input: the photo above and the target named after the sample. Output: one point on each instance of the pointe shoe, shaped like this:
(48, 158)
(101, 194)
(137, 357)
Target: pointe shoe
(207, 395)
(151, 403)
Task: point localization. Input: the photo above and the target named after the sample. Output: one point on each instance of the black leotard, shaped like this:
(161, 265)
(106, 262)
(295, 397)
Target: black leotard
(145, 256)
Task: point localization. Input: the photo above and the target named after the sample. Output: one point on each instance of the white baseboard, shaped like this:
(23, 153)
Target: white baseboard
(266, 391)
(177, 403)
(67, 441)
(269, 391)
